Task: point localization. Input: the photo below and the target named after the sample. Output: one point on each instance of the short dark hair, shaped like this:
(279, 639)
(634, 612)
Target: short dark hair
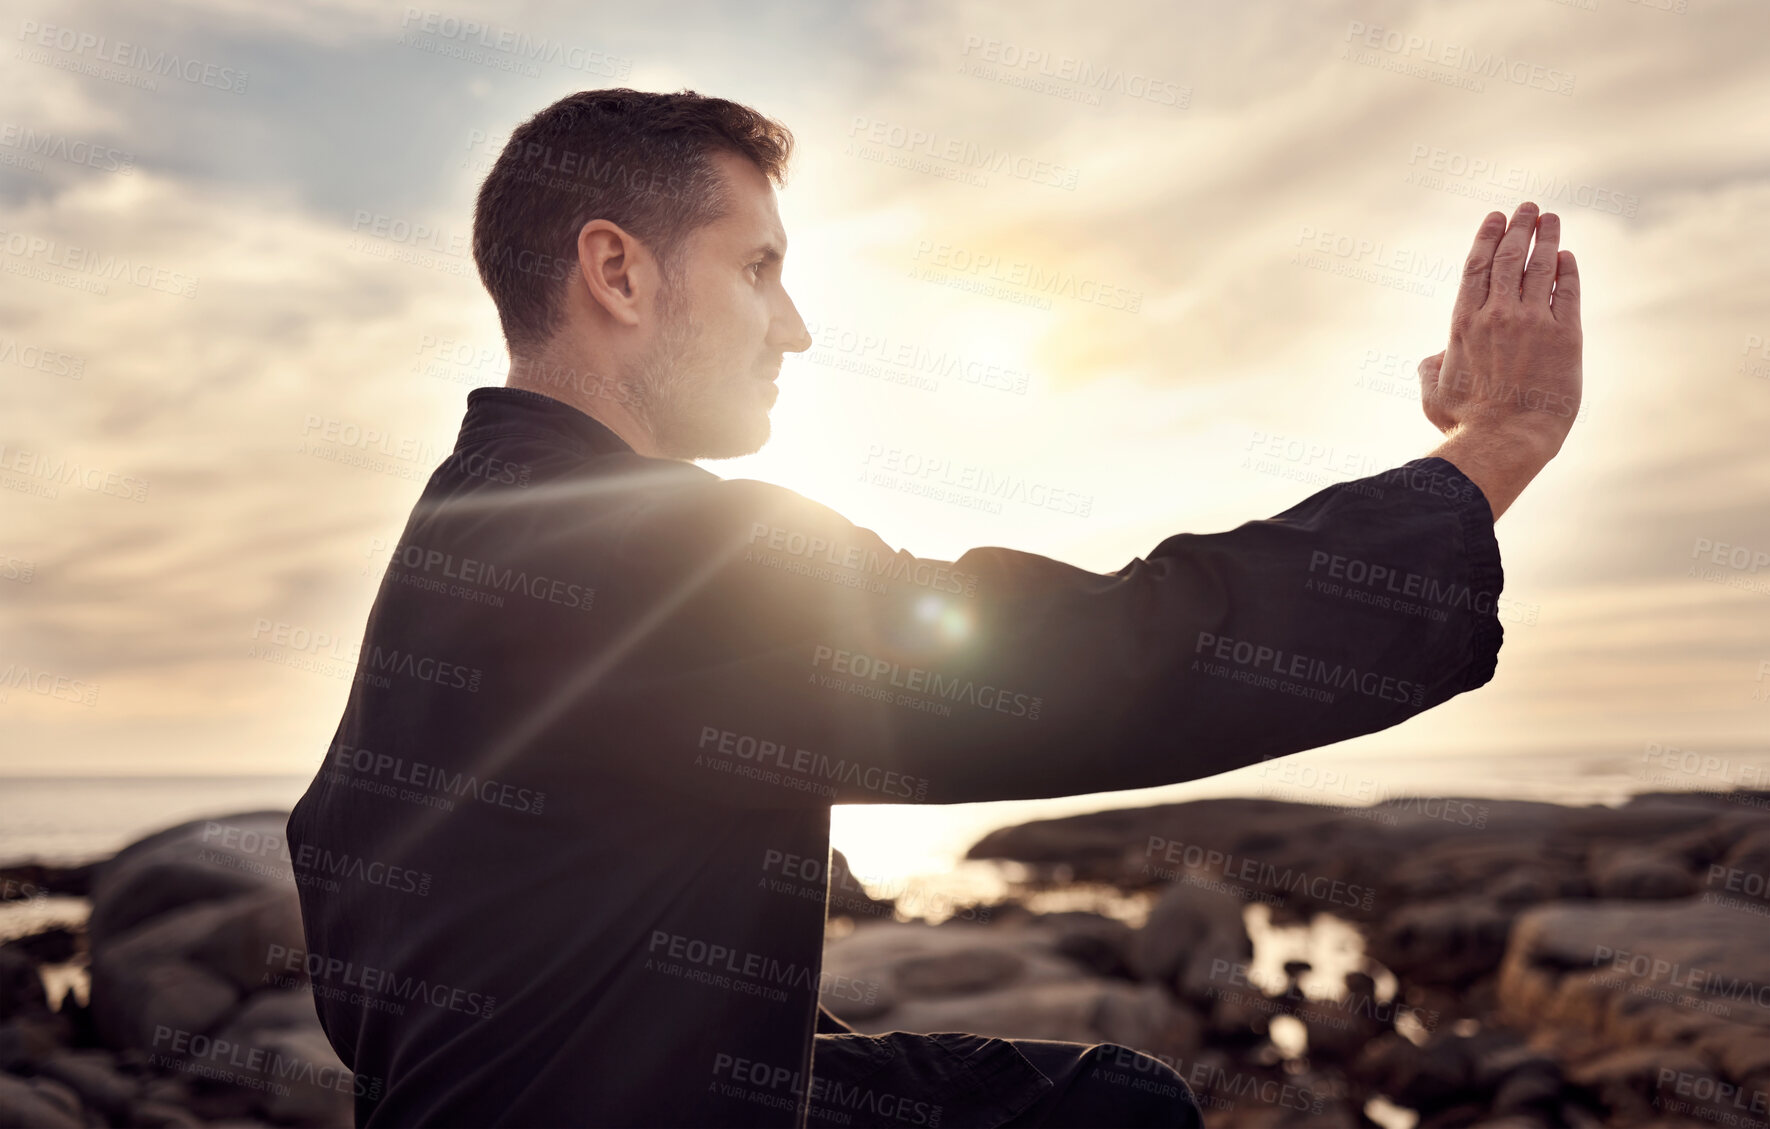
(639, 159)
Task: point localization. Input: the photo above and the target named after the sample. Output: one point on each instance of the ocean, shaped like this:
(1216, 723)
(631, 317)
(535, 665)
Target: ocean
(914, 854)
(73, 819)
(893, 848)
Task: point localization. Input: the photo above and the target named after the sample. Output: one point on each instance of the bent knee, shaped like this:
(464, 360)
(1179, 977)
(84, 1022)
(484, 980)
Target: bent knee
(1152, 1091)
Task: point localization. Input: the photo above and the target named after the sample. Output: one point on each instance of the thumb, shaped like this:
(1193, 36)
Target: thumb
(1429, 369)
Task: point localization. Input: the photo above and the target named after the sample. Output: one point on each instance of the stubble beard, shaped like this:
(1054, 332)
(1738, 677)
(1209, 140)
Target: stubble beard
(690, 411)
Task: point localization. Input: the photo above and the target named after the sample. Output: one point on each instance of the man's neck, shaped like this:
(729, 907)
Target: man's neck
(603, 396)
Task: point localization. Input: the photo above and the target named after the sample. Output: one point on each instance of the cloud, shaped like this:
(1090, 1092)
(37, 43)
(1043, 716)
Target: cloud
(1206, 208)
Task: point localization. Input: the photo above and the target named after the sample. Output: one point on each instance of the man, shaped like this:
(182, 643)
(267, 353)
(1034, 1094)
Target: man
(603, 692)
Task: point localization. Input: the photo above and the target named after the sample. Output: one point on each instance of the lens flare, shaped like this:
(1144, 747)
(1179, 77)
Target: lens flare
(951, 622)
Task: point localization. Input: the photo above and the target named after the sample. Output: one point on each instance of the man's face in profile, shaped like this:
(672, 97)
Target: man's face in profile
(725, 322)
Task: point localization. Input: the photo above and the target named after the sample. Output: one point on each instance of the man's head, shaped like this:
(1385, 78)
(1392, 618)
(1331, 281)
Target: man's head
(632, 245)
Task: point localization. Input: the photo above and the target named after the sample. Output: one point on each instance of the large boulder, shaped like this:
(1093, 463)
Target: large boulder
(910, 961)
(1192, 937)
(1640, 872)
(1450, 1071)
(1008, 980)
(21, 985)
(849, 897)
(1627, 1081)
(182, 924)
(148, 982)
(1634, 989)
(1623, 971)
(1750, 855)
(201, 861)
(278, 1042)
(1098, 943)
(1451, 941)
(94, 1077)
(35, 1104)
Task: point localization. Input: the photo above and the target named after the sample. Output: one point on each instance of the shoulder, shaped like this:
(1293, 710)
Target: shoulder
(682, 505)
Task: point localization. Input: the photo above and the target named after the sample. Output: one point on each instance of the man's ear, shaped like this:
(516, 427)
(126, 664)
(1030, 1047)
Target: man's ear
(616, 269)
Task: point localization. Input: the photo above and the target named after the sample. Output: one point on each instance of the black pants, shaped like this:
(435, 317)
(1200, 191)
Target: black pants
(953, 1080)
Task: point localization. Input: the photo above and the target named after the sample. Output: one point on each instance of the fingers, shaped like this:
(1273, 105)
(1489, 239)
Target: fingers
(1429, 369)
(1473, 291)
(1508, 258)
(1564, 302)
(1539, 276)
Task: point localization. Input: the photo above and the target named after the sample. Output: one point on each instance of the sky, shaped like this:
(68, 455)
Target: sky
(1175, 263)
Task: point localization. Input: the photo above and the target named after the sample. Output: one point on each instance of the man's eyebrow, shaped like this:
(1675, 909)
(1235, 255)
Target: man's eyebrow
(770, 252)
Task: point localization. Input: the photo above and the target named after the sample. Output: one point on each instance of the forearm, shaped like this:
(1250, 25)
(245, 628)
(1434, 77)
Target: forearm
(1361, 606)
(1500, 463)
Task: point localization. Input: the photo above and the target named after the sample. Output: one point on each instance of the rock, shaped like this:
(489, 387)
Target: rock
(957, 973)
(849, 896)
(1340, 1028)
(74, 1021)
(1624, 971)
(1462, 865)
(22, 880)
(1527, 1092)
(240, 938)
(1454, 1079)
(55, 945)
(1742, 1053)
(1638, 988)
(1498, 1055)
(1450, 941)
(270, 1058)
(145, 982)
(1454, 1117)
(1098, 943)
(30, 1107)
(1709, 843)
(1530, 883)
(1627, 1081)
(1145, 1017)
(1427, 1078)
(940, 958)
(274, 1011)
(1237, 1016)
(1640, 872)
(190, 863)
(21, 985)
(311, 1086)
(161, 1115)
(166, 1089)
(1750, 855)
(91, 1075)
(1191, 941)
(64, 1098)
(182, 924)
(26, 1041)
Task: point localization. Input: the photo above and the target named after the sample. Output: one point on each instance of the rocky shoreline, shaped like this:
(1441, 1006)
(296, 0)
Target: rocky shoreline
(1526, 964)
(1506, 964)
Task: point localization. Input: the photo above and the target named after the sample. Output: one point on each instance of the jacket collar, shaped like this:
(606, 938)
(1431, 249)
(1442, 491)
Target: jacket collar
(500, 411)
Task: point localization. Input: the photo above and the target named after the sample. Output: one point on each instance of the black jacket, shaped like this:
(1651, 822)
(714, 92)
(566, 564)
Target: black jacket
(556, 856)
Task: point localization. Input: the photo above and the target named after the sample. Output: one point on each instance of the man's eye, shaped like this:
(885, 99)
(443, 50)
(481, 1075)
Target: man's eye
(757, 266)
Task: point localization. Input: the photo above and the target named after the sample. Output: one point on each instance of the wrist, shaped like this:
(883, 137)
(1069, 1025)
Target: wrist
(1525, 437)
(1499, 460)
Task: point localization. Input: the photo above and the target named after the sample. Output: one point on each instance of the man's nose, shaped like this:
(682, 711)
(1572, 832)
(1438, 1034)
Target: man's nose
(791, 334)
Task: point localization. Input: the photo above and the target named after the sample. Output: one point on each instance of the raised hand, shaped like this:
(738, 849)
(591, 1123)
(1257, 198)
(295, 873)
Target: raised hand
(1506, 390)
(1513, 363)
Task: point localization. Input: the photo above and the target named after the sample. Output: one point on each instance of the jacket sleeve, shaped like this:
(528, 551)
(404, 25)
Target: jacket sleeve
(778, 655)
